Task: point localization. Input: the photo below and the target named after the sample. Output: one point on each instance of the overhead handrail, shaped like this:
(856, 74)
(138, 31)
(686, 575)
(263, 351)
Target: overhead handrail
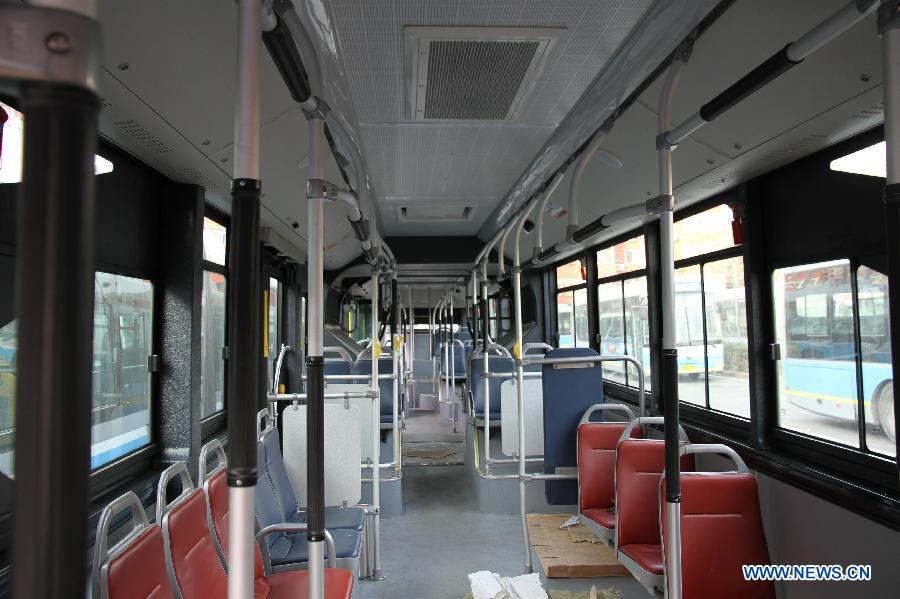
(716, 449)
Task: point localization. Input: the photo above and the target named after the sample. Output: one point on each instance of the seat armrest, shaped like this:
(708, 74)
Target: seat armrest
(298, 527)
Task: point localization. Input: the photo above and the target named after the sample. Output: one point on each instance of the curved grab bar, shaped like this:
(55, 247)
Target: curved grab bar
(102, 550)
(343, 353)
(291, 527)
(599, 407)
(284, 349)
(180, 470)
(214, 446)
(261, 417)
(530, 346)
(651, 420)
(717, 449)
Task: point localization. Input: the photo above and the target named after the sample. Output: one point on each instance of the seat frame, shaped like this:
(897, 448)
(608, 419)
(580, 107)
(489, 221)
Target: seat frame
(103, 553)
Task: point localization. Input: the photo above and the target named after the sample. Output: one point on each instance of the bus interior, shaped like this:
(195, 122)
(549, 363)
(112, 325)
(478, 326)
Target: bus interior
(449, 299)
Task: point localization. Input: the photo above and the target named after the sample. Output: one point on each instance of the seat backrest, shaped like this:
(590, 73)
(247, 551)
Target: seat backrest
(191, 557)
(216, 489)
(496, 364)
(721, 529)
(639, 464)
(385, 386)
(336, 366)
(135, 566)
(568, 390)
(268, 508)
(597, 464)
(278, 475)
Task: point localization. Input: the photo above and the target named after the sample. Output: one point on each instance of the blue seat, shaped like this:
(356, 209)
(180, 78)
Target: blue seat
(458, 355)
(336, 518)
(336, 366)
(568, 392)
(289, 550)
(385, 386)
(476, 372)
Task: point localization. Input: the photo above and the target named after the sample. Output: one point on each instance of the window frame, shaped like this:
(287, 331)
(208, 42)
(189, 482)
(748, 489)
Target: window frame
(557, 291)
(214, 423)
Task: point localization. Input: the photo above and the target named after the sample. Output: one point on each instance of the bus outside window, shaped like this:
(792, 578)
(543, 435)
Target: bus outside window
(832, 324)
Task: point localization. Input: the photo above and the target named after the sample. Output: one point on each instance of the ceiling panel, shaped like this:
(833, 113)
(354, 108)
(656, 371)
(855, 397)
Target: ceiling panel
(474, 163)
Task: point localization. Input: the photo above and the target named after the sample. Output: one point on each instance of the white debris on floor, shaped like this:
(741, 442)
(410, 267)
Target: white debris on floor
(573, 521)
(489, 585)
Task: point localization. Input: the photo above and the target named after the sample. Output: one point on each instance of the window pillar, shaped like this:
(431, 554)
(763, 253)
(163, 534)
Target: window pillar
(179, 294)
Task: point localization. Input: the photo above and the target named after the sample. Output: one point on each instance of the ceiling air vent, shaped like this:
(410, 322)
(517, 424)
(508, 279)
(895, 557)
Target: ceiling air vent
(435, 213)
(474, 73)
(140, 133)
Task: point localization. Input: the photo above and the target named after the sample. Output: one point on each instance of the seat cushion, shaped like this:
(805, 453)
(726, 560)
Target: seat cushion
(294, 548)
(648, 557)
(336, 518)
(140, 570)
(602, 516)
(295, 585)
(597, 463)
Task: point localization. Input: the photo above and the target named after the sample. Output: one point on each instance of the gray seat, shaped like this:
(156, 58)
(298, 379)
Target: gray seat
(476, 374)
(385, 386)
(336, 518)
(288, 551)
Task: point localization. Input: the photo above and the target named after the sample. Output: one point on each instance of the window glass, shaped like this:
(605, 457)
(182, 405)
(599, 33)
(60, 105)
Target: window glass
(637, 328)
(623, 257)
(703, 233)
(611, 326)
(506, 323)
(123, 331)
(569, 274)
(215, 239)
(8, 349)
(877, 375)
(689, 324)
(581, 318)
(726, 332)
(565, 324)
(272, 345)
(817, 390)
(212, 340)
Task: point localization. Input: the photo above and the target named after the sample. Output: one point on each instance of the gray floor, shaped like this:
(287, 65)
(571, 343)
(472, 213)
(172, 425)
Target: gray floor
(441, 537)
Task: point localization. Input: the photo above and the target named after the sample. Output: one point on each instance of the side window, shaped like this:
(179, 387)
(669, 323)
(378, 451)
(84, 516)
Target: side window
(213, 318)
(844, 335)
(123, 331)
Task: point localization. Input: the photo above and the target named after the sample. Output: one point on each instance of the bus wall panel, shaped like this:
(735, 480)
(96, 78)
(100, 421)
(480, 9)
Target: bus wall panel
(804, 529)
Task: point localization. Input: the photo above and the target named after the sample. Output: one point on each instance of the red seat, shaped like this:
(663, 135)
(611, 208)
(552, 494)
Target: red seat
(597, 443)
(721, 529)
(197, 569)
(139, 571)
(639, 464)
(135, 567)
(649, 557)
(604, 517)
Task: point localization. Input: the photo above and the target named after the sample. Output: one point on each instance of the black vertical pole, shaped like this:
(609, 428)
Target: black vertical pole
(673, 448)
(244, 331)
(54, 303)
(484, 315)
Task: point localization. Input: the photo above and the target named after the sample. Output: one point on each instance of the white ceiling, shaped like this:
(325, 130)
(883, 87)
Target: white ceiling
(466, 163)
(173, 107)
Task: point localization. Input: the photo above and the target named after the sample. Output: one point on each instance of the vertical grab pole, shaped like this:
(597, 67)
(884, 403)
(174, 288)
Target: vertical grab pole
(889, 28)
(669, 351)
(315, 362)
(520, 377)
(55, 236)
(395, 353)
(446, 343)
(376, 434)
(244, 299)
(452, 367)
(485, 358)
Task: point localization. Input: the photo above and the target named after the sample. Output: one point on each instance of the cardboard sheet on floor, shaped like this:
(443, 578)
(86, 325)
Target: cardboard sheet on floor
(570, 553)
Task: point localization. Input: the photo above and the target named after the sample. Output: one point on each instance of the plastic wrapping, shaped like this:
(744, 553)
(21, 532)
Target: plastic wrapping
(664, 26)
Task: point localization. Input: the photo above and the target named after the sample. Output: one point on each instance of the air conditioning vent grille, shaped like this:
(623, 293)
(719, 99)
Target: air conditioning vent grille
(141, 134)
(476, 80)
